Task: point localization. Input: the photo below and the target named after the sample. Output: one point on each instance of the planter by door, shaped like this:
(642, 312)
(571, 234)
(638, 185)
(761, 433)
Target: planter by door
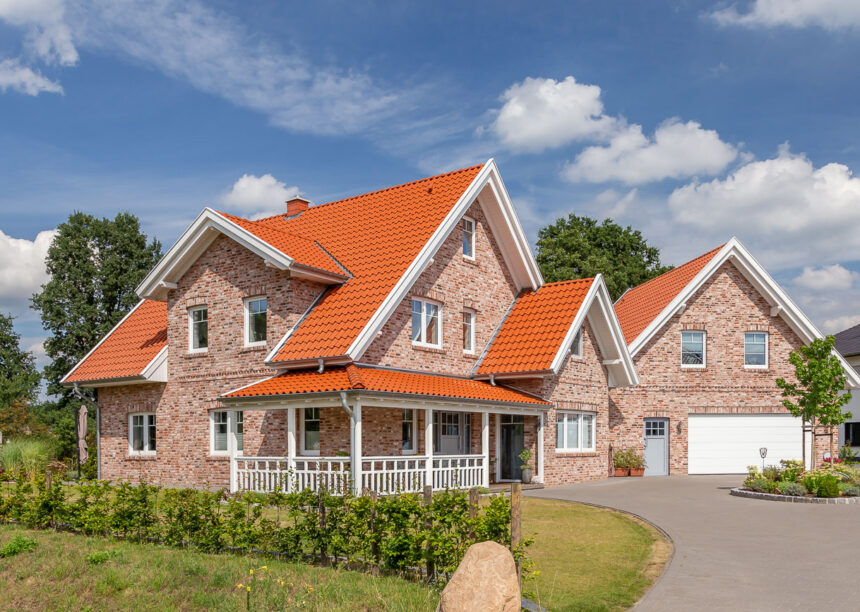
(656, 447)
(527, 476)
(512, 444)
(622, 471)
(637, 471)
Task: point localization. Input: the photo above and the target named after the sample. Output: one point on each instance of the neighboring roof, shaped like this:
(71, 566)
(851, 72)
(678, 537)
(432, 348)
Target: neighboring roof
(130, 348)
(641, 305)
(848, 341)
(535, 328)
(379, 380)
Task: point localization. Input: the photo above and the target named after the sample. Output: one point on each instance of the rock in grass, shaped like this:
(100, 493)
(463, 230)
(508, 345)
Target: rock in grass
(486, 580)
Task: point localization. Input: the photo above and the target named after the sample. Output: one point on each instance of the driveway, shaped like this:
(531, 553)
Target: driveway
(733, 553)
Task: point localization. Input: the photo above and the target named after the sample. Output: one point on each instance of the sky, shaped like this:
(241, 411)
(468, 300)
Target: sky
(690, 121)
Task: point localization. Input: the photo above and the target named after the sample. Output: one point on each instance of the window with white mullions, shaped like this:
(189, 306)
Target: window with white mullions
(576, 347)
(310, 434)
(255, 321)
(141, 434)
(755, 349)
(221, 429)
(426, 323)
(198, 329)
(469, 331)
(468, 238)
(226, 432)
(692, 349)
(574, 431)
(408, 428)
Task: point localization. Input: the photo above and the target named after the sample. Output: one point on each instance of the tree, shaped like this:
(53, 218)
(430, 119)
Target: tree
(579, 247)
(19, 378)
(819, 393)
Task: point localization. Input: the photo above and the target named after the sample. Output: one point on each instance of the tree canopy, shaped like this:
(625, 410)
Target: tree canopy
(580, 247)
(19, 378)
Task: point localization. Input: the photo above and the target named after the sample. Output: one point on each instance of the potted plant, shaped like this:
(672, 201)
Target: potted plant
(621, 461)
(526, 457)
(636, 463)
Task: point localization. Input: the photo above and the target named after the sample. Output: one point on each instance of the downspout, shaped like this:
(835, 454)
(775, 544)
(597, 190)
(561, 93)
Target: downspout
(322, 367)
(77, 392)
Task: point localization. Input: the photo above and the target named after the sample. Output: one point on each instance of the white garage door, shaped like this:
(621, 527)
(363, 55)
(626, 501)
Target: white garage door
(728, 443)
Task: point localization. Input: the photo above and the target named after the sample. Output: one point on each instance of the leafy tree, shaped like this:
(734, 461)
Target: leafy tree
(819, 393)
(18, 419)
(580, 247)
(19, 378)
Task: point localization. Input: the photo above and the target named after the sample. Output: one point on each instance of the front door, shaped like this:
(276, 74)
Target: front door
(449, 433)
(512, 444)
(656, 447)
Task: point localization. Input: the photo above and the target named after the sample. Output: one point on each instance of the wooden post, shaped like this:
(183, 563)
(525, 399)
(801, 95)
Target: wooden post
(516, 523)
(473, 509)
(323, 548)
(374, 545)
(428, 525)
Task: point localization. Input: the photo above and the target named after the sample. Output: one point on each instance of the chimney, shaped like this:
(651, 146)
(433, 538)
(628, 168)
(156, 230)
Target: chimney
(296, 206)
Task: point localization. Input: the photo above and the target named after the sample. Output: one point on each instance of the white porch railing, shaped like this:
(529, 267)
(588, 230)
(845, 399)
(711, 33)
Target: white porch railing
(384, 475)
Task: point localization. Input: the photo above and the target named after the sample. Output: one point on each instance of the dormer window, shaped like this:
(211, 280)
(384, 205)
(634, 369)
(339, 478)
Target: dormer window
(255, 321)
(469, 331)
(426, 323)
(198, 329)
(468, 238)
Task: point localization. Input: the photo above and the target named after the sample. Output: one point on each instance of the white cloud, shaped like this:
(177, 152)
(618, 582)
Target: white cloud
(829, 14)
(612, 204)
(47, 34)
(838, 324)
(678, 150)
(24, 80)
(540, 114)
(22, 269)
(794, 214)
(259, 195)
(826, 278)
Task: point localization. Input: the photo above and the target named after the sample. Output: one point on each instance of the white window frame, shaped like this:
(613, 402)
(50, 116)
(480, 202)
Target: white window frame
(576, 346)
(302, 449)
(766, 351)
(561, 418)
(470, 221)
(473, 320)
(191, 312)
(695, 366)
(146, 437)
(422, 340)
(246, 307)
(232, 434)
(414, 449)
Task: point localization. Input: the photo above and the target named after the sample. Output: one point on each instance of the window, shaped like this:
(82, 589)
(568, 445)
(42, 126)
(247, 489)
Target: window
(755, 350)
(655, 428)
(468, 238)
(141, 434)
(576, 347)
(255, 321)
(469, 331)
(408, 431)
(852, 434)
(426, 323)
(310, 434)
(226, 432)
(198, 331)
(450, 424)
(574, 431)
(692, 349)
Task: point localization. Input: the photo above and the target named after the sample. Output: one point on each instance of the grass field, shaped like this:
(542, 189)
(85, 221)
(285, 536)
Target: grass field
(589, 559)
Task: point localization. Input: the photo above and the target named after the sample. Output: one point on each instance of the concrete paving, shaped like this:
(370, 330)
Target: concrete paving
(734, 553)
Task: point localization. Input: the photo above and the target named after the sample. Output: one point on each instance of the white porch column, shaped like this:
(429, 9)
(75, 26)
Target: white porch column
(539, 462)
(428, 445)
(355, 447)
(485, 448)
(291, 446)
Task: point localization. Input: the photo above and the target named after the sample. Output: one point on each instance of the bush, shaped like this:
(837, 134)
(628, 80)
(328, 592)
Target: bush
(851, 491)
(16, 545)
(760, 484)
(795, 489)
(791, 469)
(28, 455)
(822, 484)
(628, 458)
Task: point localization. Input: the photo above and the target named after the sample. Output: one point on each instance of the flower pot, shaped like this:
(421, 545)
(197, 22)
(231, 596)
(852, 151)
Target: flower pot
(622, 471)
(637, 471)
(527, 475)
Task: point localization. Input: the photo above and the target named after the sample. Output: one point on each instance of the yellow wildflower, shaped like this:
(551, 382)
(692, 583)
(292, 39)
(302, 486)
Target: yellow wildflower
(249, 589)
(251, 572)
(265, 568)
(240, 585)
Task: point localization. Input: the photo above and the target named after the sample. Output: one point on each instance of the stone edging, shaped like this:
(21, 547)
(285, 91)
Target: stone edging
(794, 498)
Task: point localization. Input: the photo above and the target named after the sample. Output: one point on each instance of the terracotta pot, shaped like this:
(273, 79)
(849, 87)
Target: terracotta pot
(637, 471)
(622, 471)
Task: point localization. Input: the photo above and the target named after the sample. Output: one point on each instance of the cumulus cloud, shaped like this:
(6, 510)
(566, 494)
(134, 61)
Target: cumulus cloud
(24, 80)
(826, 278)
(48, 36)
(677, 150)
(829, 14)
(22, 268)
(259, 196)
(540, 114)
(838, 324)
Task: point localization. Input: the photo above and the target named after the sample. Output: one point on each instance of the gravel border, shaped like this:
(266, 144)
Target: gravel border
(795, 498)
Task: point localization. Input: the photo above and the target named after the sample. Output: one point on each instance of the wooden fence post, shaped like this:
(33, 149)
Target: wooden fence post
(428, 525)
(323, 547)
(516, 524)
(374, 545)
(473, 508)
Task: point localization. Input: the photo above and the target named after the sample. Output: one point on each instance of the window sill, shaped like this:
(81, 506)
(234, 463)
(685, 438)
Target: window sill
(572, 453)
(195, 354)
(469, 355)
(429, 349)
(756, 368)
(470, 260)
(693, 368)
(256, 348)
(218, 457)
(147, 457)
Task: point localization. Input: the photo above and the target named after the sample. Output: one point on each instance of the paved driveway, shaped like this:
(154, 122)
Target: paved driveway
(733, 553)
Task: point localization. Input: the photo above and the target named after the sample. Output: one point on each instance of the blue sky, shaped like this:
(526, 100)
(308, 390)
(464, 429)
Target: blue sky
(692, 121)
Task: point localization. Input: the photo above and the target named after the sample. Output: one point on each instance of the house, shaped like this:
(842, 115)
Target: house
(709, 339)
(387, 341)
(848, 345)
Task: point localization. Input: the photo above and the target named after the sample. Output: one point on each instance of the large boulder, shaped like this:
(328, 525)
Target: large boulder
(486, 580)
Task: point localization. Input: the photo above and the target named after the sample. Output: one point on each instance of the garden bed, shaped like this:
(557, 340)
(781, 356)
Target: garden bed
(803, 499)
(827, 484)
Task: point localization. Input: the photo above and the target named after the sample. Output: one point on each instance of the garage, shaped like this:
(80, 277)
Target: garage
(728, 443)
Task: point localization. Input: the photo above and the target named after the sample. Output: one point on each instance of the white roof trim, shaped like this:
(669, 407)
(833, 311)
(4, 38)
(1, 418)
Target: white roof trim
(578, 320)
(530, 277)
(152, 371)
(735, 252)
(256, 382)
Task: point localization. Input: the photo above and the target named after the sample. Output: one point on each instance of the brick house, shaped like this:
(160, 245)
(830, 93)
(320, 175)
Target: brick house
(386, 341)
(709, 339)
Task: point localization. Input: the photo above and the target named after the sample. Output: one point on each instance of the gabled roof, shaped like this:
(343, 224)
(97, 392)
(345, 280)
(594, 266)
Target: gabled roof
(704, 267)
(848, 341)
(134, 350)
(379, 380)
(537, 333)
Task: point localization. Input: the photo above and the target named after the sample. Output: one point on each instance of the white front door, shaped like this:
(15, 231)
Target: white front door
(449, 433)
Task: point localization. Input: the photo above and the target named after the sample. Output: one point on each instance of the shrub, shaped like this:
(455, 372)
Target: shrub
(628, 458)
(795, 489)
(102, 556)
(821, 483)
(760, 484)
(791, 469)
(17, 545)
(772, 472)
(851, 491)
(30, 456)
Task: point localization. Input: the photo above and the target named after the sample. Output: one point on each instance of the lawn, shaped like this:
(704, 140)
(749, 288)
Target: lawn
(588, 558)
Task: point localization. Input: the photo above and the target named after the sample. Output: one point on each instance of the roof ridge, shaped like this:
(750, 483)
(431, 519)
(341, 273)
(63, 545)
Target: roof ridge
(567, 282)
(675, 269)
(354, 376)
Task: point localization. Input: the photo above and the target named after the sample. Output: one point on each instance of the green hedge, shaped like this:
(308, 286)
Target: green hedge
(397, 533)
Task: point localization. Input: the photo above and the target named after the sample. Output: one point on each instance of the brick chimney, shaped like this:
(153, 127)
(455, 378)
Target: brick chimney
(296, 206)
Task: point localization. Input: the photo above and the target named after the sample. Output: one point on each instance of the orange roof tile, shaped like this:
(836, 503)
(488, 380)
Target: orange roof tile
(534, 330)
(641, 305)
(380, 380)
(128, 348)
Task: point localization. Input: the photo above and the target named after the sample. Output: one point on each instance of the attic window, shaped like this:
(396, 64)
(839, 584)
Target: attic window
(426, 323)
(576, 347)
(198, 329)
(468, 238)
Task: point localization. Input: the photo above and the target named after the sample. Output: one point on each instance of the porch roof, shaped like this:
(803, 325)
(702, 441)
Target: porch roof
(379, 380)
